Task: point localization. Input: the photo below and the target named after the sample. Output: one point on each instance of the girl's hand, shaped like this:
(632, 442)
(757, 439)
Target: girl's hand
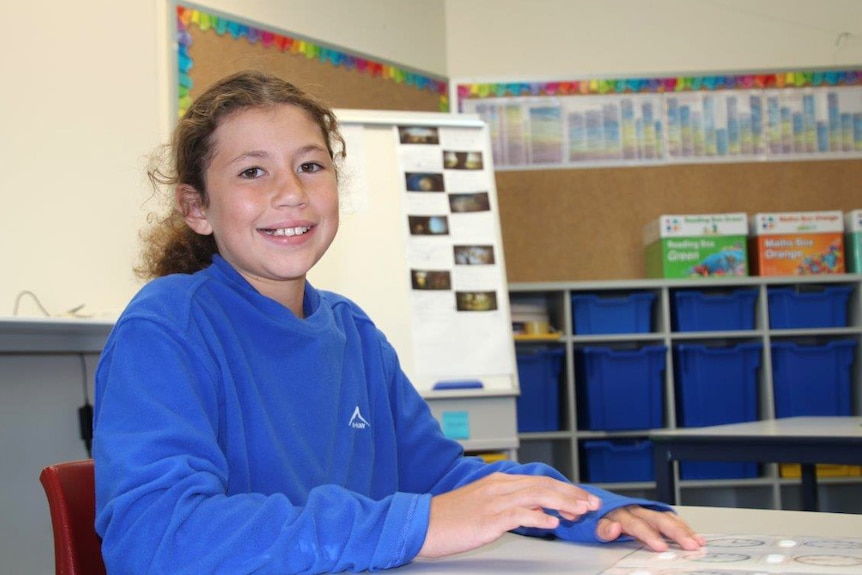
(484, 510)
(652, 528)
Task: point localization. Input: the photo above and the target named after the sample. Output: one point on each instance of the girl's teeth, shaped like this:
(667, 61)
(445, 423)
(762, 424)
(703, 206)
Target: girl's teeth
(290, 231)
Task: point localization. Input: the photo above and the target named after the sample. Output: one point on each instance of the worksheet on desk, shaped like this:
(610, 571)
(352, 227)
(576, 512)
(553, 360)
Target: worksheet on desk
(750, 555)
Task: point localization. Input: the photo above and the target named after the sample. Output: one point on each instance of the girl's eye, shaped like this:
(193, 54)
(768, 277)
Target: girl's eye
(251, 173)
(310, 167)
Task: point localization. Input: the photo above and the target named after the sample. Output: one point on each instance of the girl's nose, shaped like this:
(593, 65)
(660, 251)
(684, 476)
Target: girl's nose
(290, 192)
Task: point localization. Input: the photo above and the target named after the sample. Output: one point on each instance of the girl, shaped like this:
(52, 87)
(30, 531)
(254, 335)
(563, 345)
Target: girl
(247, 422)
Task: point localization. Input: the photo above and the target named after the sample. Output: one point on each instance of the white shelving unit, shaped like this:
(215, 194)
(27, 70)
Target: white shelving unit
(563, 448)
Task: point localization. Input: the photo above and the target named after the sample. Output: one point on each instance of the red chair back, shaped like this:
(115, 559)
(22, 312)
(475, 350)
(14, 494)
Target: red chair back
(71, 491)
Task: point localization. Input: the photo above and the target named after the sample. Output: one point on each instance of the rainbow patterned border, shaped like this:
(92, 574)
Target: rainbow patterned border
(811, 79)
(187, 16)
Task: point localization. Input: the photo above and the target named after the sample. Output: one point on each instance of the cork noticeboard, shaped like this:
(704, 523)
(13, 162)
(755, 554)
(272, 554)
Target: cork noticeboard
(211, 51)
(620, 152)
(587, 224)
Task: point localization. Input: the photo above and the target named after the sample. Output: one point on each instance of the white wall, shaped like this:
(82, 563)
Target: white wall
(80, 104)
(85, 97)
(407, 32)
(92, 96)
(553, 39)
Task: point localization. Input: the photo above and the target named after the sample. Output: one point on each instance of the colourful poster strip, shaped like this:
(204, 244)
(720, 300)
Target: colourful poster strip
(800, 115)
(801, 79)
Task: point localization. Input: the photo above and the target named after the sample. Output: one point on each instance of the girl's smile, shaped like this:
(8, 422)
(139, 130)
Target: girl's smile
(298, 231)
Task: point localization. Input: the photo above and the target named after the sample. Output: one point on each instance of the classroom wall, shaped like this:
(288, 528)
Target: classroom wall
(86, 96)
(549, 218)
(407, 32)
(551, 39)
(80, 103)
(92, 97)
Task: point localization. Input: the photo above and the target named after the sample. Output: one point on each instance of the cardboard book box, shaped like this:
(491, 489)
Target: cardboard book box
(853, 240)
(697, 245)
(797, 243)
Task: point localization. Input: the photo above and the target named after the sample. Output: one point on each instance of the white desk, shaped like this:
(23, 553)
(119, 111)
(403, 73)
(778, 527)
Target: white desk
(53, 335)
(803, 440)
(517, 554)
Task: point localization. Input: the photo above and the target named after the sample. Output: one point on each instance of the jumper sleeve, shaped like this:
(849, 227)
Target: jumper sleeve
(584, 529)
(163, 502)
(435, 464)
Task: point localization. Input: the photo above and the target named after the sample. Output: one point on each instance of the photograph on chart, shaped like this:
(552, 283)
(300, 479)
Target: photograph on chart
(476, 300)
(474, 255)
(428, 225)
(453, 160)
(431, 279)
(418, 135)
(424, 182)
(473, 202)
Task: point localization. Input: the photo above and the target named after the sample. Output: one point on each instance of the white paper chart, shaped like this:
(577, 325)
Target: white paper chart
(453, 252)
(750, 555)
(733, 125)
(419, 245)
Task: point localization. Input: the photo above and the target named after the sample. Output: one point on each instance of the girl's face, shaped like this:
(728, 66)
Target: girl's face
(273, 198)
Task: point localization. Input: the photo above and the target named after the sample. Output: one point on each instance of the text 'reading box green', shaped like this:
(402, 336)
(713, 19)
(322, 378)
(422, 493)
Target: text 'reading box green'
(691, 246)
(853, 240)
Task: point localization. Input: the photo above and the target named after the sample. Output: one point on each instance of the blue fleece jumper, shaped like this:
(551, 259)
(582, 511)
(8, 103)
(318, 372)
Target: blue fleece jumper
(233, 437)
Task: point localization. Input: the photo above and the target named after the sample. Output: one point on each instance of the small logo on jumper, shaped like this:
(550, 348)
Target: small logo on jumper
(357, 421)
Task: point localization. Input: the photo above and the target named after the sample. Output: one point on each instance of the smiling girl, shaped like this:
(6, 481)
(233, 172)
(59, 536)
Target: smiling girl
(247, 422)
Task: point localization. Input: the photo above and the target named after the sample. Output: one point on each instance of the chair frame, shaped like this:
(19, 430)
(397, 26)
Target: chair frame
(71, 491)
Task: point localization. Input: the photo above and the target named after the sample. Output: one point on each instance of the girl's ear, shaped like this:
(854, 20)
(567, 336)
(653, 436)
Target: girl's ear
(191, 205)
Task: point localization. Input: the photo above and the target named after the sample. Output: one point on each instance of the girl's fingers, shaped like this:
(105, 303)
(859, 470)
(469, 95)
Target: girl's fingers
(652, 528)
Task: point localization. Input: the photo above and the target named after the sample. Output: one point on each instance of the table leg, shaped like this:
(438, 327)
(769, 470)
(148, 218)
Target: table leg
(809, 487)
(664, 479)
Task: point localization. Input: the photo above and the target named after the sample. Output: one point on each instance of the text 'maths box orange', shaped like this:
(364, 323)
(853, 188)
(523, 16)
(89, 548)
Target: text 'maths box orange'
(797, 243)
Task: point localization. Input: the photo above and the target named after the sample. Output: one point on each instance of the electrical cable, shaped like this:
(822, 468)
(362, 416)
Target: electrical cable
(85, 412)
(72, 312)
(35, 298)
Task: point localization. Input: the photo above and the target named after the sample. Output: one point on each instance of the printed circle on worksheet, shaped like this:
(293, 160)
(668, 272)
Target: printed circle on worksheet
(720, 558)
(733, 542)
(829, 560)
(834, 544)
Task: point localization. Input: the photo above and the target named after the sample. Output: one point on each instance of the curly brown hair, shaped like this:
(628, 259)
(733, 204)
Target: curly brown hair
(170, 246)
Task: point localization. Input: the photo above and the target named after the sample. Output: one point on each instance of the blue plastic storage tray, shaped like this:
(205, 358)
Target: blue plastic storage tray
(700, 310)
(538, 405)
(618, 460)
(630, 313)
(793, 309)
(716, 385)
(812, 379)
(620, 389)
